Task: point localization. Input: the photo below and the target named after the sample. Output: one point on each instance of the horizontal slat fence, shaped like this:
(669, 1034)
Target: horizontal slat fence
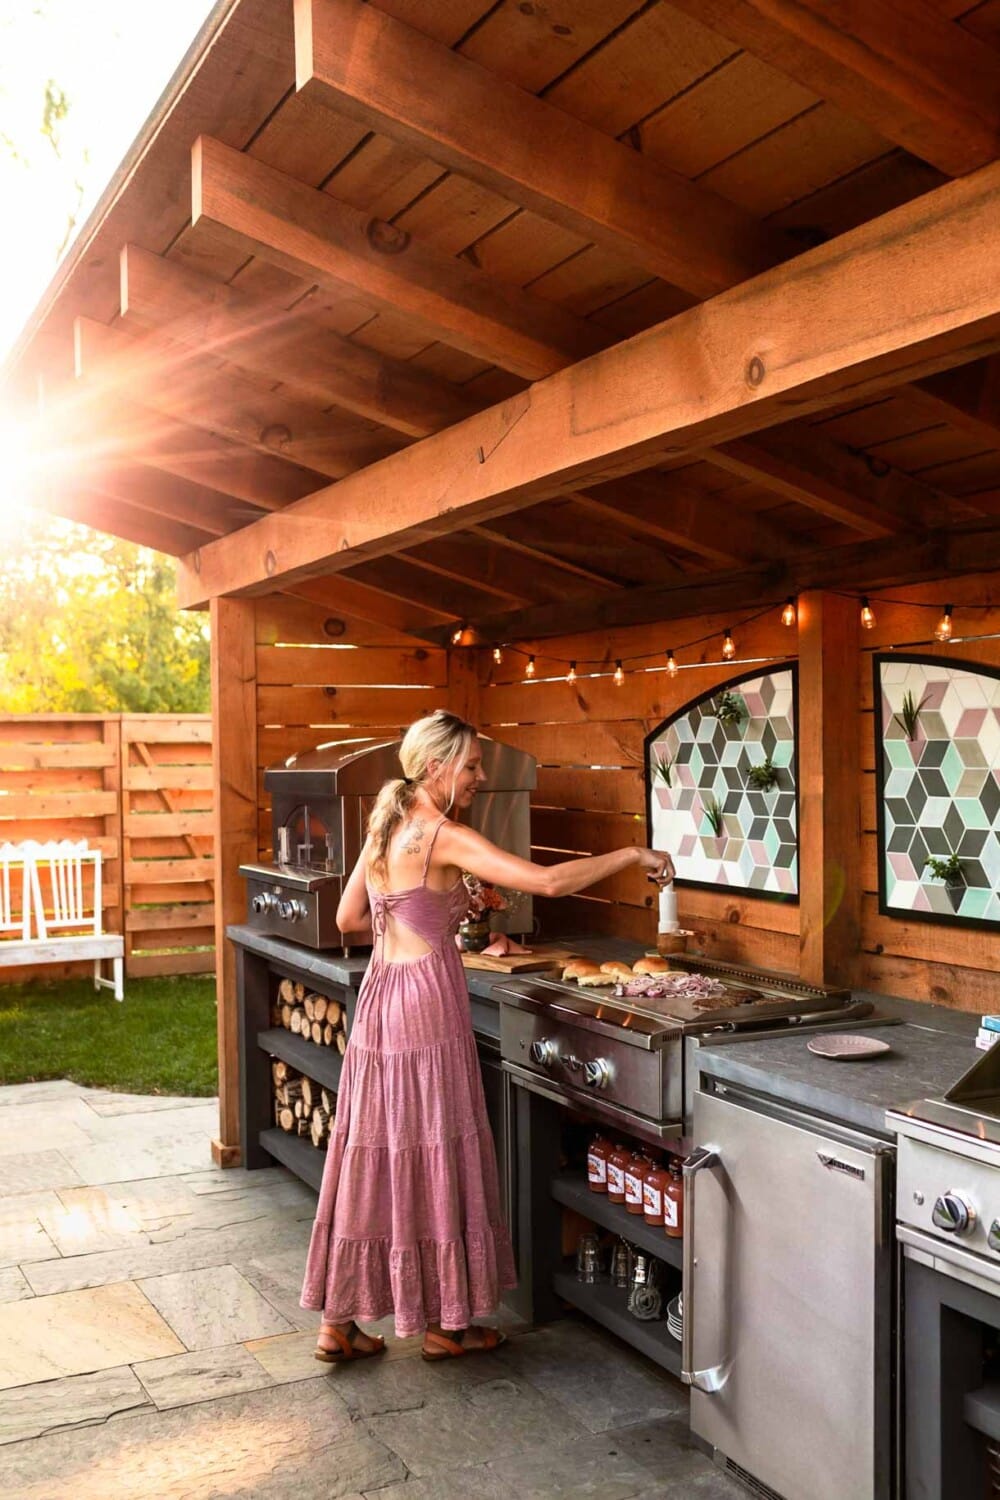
(139, 788)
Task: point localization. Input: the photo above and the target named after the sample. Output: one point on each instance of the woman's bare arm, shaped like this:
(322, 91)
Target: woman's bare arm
(457, 845)
(353, 912)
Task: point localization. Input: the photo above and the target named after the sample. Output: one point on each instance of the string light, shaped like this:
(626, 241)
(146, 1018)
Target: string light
(457, 634)
(728, 645)
(788, 614)
(867, 614)
(619, 673)
(571, 674)
(497, 655)
(671, 665)
(943, 628)
(529, 670)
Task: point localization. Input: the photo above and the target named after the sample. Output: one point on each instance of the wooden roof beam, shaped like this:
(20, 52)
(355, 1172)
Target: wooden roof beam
(363, 602)
(293, 347)
(796, 339)
(968, 398)
(313, 236)
(403, 84)
(805, 466)
(915, 76)
(167, 378)
(658, 507)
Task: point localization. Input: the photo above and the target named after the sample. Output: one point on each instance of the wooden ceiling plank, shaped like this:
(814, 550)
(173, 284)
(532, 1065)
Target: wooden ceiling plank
(312, 235)
(541, 561)
(295, 348)
(396, 81)
(968, 398)
(457, 573)
(363, 602)
(241, 406)
(921, 81)
(116, 518)
(794, 340)
(810, 469)
(172, 499)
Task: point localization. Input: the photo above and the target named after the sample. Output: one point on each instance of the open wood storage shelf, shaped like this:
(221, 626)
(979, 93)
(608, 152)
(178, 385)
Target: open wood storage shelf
(322, 1064)
(571, 1190)
(297, 1153)
(606, 1305)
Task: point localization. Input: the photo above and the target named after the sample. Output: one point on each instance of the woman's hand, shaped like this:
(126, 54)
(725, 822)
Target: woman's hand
(657, 864)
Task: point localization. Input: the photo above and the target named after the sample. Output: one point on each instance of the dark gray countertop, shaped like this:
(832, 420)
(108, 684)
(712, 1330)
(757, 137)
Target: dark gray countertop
(926, 1059)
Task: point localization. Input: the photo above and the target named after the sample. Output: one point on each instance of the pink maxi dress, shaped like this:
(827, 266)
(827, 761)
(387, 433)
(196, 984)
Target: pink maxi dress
(409, 1214)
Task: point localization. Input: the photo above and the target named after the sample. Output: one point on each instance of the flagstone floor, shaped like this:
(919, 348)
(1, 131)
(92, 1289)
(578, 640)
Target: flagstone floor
(151, 1345)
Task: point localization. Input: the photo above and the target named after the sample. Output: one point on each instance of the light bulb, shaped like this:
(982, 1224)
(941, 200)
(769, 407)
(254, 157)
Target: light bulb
(671, 665)
(728, 645)
(529, 670)
(456, 635)
(788, 614)
(619, 674)
(571, 674)
(867, 614)
(942, 630)
(497, 655)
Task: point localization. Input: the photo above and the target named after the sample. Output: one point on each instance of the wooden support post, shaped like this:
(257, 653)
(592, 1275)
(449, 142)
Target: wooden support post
(234, 772)
(829, 789)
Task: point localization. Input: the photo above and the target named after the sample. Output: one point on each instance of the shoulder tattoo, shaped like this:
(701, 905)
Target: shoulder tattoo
(413, 836)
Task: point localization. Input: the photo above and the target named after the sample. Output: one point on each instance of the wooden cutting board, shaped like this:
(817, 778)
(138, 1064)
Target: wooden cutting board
(542, 956)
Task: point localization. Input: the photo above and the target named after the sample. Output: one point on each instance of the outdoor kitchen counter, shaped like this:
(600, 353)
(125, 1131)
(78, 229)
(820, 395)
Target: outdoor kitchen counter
(931, 1048)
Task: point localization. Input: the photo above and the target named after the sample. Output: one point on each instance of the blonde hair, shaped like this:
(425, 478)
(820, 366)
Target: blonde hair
(441, 736)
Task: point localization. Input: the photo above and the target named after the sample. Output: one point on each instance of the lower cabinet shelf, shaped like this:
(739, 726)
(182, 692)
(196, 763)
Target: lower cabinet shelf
(322, 1064)
(606, 1305)
(296, 1153)
(570, 1189)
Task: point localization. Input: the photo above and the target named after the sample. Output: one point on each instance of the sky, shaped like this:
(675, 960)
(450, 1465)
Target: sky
(112, 59)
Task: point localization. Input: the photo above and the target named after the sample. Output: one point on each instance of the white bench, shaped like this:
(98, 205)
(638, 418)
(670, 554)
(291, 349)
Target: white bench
(45, 890)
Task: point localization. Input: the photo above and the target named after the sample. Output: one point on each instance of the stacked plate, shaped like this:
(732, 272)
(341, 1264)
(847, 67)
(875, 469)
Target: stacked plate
(675, 1315)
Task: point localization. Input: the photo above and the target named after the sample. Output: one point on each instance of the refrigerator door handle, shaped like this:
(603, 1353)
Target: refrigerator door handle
(713, 1378)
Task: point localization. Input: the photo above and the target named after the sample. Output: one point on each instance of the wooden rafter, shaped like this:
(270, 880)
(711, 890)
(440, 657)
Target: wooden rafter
(350, 597)
(312, 235)
(296, 348)
(803, 465)
(911, 73)
(120, 518)
(968, 398)
(403, 84)
(243, 407)
(543, 564)
(173, 499)
(795, 339)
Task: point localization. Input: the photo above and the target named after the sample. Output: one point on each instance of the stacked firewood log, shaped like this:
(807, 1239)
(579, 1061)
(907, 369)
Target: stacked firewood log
(301, 1106)
(317, 1018)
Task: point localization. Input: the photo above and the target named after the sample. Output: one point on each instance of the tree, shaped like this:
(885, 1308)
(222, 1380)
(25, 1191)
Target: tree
(89, 624)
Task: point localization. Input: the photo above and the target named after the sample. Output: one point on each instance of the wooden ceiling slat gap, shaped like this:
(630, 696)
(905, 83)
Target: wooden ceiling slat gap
(753, 145)
(477, 25)
(259, 129)
(419, 197)
(696, 83)
(586, 57)
(350, 155)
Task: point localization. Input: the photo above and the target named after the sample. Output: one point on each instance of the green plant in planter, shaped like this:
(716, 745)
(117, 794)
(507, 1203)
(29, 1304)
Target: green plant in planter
(763, 778)
(663, 769)
(729, 708)
(713, 812)
(949, 870)
(908, 717)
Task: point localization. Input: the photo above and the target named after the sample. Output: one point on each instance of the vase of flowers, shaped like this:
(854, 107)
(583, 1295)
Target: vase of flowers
(484, 899)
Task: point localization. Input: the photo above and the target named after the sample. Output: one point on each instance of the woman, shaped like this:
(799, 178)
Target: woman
(409, 1212)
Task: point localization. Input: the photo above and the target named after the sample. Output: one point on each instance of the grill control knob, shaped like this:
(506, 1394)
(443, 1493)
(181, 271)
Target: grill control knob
(993, 1238)
(596, 1073)
(264, 901)
(291, 910)
(543, 1052)
(953, 1213)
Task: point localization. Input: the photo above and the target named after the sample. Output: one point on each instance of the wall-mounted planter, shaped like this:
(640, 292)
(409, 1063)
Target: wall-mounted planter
(938, 793)
(711, 753)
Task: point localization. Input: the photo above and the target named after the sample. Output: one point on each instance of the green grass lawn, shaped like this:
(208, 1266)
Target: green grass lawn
(160, 1040)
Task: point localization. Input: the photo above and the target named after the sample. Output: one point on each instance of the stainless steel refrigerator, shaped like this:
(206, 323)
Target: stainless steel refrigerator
(788, 1298)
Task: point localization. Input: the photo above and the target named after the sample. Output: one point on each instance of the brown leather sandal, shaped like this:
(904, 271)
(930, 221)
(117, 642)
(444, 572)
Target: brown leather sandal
(453, 1345)
(348, 1345)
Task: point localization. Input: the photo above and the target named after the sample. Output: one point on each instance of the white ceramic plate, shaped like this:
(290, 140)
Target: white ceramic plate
(845, 1046)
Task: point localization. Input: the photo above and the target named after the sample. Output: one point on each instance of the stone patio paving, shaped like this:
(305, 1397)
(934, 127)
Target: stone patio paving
(151, 1344)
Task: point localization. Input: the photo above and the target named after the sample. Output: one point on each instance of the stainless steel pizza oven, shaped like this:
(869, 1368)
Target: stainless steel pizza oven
(320, 801)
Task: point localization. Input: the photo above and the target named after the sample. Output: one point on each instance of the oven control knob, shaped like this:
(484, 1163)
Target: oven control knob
(953, 1213)
(543, 1052)
(596, 1073)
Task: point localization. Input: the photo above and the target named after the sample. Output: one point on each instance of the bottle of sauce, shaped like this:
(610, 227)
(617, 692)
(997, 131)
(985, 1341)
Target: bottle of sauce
(597, 1164)
(652, 1194)
(618, 1159)
(635, 1170)
(673, 1203)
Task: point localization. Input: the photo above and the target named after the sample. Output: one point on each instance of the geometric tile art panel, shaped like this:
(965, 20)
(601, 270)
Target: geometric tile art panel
(937, 760)
(721, 791)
